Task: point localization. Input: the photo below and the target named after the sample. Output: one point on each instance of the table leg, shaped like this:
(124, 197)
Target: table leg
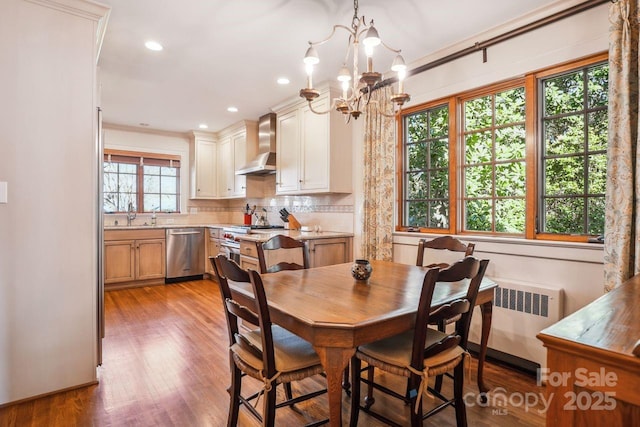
(335, 360)
(486, 309)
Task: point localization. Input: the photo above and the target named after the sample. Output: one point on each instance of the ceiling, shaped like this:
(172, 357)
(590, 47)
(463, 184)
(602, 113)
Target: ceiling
(222, 53)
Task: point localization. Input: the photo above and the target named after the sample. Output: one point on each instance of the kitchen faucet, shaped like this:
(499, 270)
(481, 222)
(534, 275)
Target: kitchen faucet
(131, 214)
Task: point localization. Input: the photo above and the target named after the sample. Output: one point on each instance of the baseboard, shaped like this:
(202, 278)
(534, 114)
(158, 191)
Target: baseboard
(28, 399)
(183, 279)
(507, 359)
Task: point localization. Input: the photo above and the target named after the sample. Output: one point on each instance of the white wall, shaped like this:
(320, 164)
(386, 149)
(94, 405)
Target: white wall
(48, 228)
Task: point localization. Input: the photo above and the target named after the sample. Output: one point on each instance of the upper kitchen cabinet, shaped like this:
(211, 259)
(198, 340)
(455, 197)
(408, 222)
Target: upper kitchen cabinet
(235, 144)
(202, 166)
(314, 151)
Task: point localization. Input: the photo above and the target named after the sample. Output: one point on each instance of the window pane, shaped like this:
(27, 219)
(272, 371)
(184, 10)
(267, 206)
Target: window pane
(127, 183)
(417, 156)
(564, 216)
(110, 204)
(151, 170)
(510, 215)
(169, 185)
(478, 215)
(416, 186)
(168, 203)
(597, 174)
(127, 168)
(478, 147)
(564, 135)
(151, 202)
(564, 176)
(598, 89)
(510, 179)
(110, 167)
(151, 184)
(123, 201)
(596, 215)
(439, 214)
(417, 127)
(510, 143)
(510, 106)
(417, 214)
(478, 181)
(439, 123)
(169, 171)
(439, 188)
(478, 113)
(563, 94)
(439, 150)
(598, 133)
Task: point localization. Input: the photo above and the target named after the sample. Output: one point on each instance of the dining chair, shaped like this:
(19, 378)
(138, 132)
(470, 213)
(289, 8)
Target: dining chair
(270, 353)
(442, 243)
(282, 253)
(422, 352)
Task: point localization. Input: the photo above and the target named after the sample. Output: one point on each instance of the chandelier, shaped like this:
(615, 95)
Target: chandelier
(356, 87)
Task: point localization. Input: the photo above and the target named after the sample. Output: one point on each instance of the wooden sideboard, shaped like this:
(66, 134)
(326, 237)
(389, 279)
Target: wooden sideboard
(592, 376)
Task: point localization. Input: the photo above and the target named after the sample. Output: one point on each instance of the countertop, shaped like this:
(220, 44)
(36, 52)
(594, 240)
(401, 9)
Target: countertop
(255, 236)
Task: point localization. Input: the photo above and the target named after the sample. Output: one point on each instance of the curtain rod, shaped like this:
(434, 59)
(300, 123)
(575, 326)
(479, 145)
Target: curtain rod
(574, 10)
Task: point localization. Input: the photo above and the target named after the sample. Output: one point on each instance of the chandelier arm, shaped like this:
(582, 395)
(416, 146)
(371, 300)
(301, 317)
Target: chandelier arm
(318, 43)
(390, 48)
(319, 112)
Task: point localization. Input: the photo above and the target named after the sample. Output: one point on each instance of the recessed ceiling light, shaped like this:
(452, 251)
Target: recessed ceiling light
(232, 109)
(283, 81)
(203, 126)
(153, 45)
(144, 124)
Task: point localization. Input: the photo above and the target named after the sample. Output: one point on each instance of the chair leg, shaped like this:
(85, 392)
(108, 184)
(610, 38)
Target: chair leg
(458, 385)
(346, 385)
(416, 416)
(269, 412)
(369, 400)
(355, 391)
(234, 393)
(287, 391)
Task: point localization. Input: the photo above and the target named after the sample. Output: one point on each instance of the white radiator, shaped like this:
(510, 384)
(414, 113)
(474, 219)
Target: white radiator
(520, 311)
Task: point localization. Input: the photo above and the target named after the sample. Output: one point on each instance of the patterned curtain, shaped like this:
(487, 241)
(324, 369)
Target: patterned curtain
(622, 217)
(379, 169)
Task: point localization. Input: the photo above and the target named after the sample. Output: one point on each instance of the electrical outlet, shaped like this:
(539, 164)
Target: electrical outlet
(170, 220)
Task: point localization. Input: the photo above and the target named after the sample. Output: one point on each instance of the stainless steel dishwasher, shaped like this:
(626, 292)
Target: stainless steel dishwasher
(185, 254)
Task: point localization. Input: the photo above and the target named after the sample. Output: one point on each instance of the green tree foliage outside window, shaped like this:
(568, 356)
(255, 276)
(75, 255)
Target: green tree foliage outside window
(427, 168)
(494, 172)
(574, 123)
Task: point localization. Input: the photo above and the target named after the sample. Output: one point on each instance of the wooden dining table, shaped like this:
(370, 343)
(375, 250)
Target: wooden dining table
(336, 313)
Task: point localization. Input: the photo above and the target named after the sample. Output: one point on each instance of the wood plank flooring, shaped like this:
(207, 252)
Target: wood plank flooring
(166, 364)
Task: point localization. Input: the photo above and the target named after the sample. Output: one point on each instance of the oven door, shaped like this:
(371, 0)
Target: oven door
(231, 251)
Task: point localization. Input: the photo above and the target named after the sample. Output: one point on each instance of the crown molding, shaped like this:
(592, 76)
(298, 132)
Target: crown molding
(126, 128)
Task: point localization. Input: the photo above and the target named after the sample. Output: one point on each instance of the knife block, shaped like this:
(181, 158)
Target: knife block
(293, 223)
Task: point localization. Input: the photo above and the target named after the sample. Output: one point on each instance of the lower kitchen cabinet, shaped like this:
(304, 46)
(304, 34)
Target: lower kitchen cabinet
(329, 251)
(213, 249)
(134, 258)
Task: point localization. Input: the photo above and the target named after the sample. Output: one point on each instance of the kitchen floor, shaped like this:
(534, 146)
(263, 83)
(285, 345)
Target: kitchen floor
(166, 364)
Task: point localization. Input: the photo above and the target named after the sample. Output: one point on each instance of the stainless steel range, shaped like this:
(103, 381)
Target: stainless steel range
(230, 242)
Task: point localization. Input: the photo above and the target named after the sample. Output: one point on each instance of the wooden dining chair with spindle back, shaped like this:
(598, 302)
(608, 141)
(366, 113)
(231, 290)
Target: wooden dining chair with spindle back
(282, 253)
(443, 243)
(423, 352)
(269, 353)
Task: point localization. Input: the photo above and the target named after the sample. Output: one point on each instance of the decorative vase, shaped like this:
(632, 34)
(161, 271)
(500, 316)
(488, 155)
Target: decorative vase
(361, 269)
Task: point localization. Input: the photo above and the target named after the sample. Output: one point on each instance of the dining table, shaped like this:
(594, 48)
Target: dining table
(336, 313)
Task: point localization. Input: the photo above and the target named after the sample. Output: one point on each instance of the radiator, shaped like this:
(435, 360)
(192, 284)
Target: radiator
(520, 311)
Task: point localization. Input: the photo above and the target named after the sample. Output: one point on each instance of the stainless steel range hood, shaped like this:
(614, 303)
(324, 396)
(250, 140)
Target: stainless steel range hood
(265, 162)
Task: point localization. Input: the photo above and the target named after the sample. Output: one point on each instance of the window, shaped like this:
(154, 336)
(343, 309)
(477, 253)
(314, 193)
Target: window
(427, 171)
(498, 186)
(143, 182)
(493, 167)
(574, 153)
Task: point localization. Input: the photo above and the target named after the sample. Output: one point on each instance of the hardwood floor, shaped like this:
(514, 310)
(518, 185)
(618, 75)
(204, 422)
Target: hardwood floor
(166, 364)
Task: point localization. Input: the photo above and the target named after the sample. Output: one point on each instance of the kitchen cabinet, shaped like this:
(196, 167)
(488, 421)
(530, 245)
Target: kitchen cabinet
(134, 258)
(235, 144)
(202, 166)
(329, 251)
(314, 150)
(325, 251)
(213, 249)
